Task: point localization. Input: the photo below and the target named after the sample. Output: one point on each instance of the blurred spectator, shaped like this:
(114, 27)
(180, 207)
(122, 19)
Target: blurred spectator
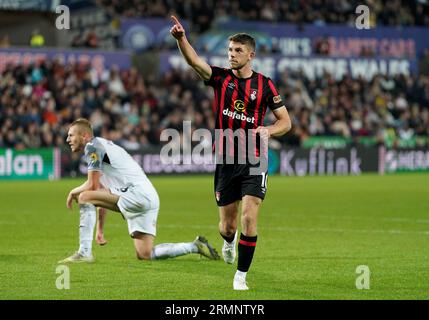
(91, 40)
(367, 52)
(37, 39)
(319, 12)
(77, 41)
(424, 63)
(5, 41)
(322, 46)
(115, 83)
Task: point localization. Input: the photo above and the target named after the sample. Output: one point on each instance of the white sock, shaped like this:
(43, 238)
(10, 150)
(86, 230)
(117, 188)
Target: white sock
(171, 250)
(86, 228)
(240, 274)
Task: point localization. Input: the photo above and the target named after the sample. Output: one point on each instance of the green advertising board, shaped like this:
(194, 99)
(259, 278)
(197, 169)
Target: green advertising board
(334, 142)
(30, 164)
(405, 160)
(338, 142)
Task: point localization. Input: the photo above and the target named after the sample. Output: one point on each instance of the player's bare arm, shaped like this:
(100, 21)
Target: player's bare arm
(92, 183)
(280, 127)
(74, 194)
(188, 52)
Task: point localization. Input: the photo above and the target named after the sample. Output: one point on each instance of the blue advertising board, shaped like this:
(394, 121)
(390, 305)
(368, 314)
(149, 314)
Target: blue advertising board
(312, 66)
(99, 60)
(43, 5)
(141, 34)
(343, 41)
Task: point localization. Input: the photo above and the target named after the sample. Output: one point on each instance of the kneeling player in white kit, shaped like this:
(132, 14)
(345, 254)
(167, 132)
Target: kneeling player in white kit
(116, 182)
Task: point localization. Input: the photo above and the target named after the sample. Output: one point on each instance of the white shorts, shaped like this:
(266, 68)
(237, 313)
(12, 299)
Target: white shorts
(139, 207)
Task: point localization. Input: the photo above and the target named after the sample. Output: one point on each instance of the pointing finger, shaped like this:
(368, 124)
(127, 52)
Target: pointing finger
(175, 20)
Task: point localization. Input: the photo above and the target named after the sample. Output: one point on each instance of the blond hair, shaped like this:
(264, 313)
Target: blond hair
(84, 126)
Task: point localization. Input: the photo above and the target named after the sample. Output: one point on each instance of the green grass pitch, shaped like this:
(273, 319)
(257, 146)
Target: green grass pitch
(313, 233)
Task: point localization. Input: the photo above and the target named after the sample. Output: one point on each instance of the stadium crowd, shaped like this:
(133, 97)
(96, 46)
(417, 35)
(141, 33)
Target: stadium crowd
(204, 13)
(38, 102)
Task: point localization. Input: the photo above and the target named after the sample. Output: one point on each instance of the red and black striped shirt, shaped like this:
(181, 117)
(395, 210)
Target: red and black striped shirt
(241, 103)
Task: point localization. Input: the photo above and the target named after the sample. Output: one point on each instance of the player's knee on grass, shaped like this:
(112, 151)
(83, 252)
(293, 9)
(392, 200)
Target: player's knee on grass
(144, 255)
(143, 244)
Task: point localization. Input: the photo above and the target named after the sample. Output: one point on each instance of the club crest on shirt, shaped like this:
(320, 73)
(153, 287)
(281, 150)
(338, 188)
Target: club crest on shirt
(93, 156)
(277, 99)
(253, 94)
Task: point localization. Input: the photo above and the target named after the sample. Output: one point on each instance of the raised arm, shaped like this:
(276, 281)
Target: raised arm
(191, 57)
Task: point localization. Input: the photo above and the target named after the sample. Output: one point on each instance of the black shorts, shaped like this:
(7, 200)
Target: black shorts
(233, 181)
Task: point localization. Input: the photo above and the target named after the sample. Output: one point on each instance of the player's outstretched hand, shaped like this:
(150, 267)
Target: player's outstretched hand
(177, 31)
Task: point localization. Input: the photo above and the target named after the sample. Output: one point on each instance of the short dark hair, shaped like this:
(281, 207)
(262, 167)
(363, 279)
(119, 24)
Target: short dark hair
(245, 39)
(84, 125)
